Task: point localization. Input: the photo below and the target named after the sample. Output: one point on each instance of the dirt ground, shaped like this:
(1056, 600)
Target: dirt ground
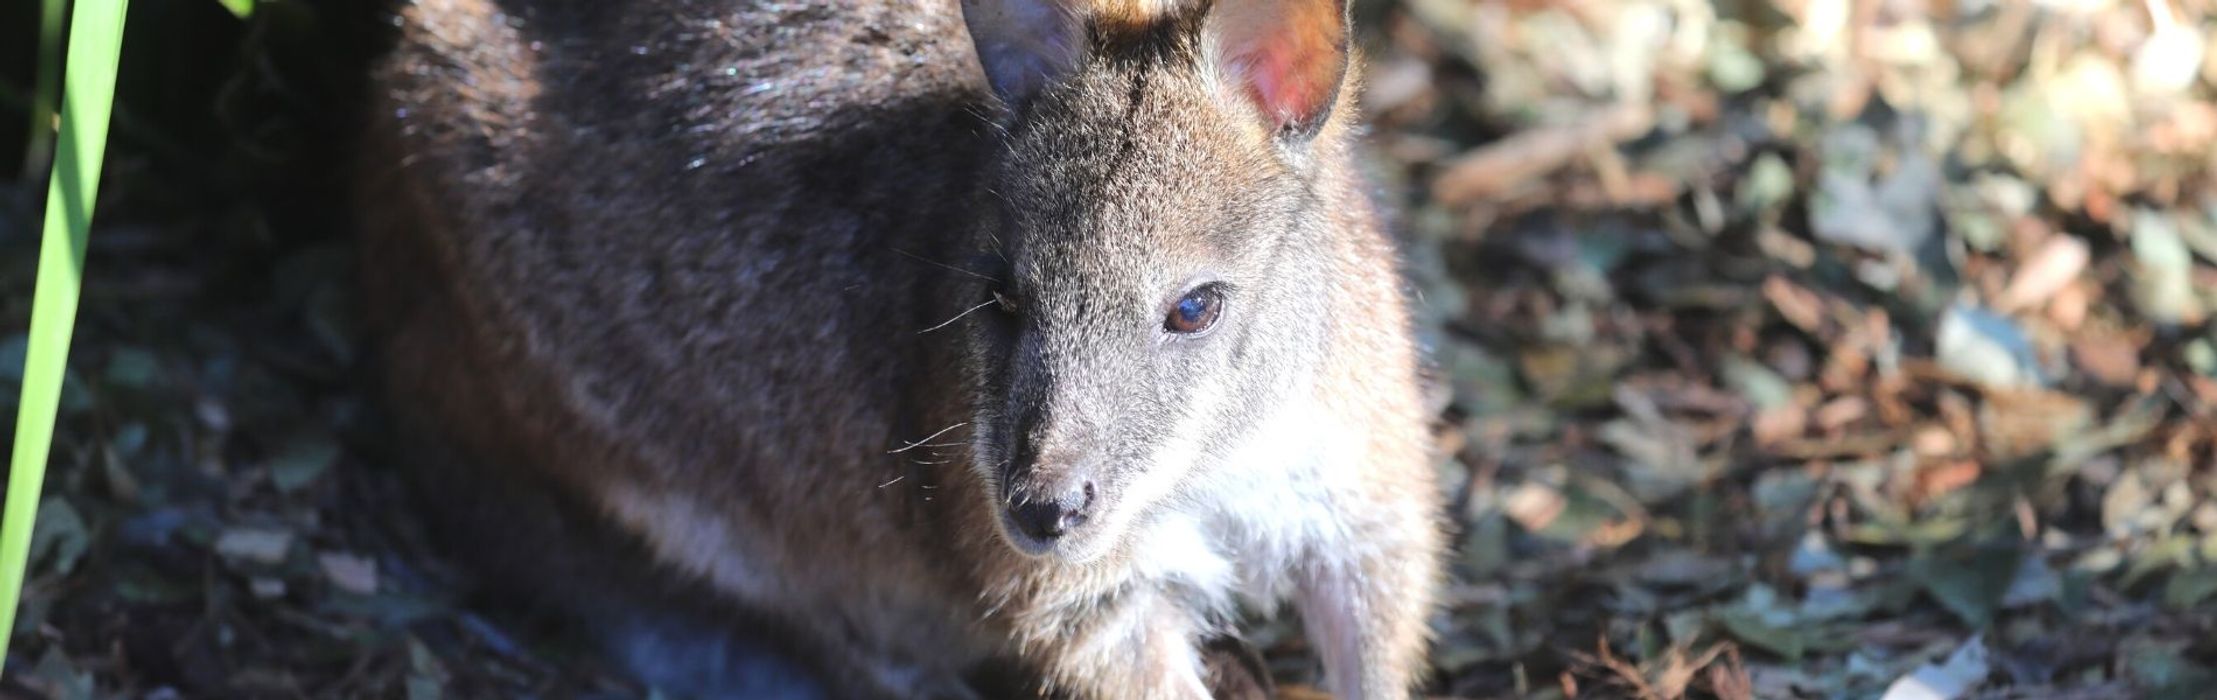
(1788, 349)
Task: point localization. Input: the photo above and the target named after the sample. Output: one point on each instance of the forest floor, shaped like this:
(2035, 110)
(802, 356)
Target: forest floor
(1788, 348)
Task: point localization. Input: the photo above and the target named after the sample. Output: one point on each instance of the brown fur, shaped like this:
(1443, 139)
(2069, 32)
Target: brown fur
(672, 281)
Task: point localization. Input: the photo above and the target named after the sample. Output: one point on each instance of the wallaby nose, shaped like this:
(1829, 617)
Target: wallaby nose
(1047, 518)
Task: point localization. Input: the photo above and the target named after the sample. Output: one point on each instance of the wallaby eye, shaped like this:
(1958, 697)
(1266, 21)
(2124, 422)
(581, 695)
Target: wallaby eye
(1196, 311)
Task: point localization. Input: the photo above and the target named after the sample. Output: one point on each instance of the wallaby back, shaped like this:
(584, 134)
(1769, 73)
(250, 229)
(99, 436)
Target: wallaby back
(860, 342)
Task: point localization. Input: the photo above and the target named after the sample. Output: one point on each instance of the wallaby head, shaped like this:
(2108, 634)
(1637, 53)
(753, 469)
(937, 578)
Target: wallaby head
(1169, 181)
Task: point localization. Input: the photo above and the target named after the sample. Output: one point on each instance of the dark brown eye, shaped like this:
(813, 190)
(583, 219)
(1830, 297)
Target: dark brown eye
(1195, 312)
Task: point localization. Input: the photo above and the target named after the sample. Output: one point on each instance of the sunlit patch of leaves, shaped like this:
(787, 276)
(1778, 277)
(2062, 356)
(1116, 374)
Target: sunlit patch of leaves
(1896, 315)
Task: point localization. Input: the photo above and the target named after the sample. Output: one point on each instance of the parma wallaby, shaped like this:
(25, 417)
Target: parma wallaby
(882, 341)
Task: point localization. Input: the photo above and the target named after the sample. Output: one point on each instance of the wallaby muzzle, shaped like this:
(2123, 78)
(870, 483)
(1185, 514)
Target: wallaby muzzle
(1050, 494)
(1051, 508)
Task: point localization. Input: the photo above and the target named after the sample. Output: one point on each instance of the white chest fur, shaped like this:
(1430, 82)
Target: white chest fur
(1257, 514)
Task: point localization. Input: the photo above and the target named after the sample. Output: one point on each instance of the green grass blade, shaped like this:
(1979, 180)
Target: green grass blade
(242, 8)
(45, 88)
(96, 30)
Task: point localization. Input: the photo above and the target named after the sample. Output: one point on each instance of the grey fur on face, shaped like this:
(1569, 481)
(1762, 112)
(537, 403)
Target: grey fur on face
(1122, 188)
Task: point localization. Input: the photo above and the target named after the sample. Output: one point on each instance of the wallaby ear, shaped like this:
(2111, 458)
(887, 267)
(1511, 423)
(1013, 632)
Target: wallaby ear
(1024, 44)
(1288, 55)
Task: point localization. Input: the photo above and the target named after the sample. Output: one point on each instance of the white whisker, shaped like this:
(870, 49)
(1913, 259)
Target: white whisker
(944, 266)
(958, 317)
(927, 439)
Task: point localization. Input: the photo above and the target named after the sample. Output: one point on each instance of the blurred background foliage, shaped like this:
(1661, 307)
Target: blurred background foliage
(1786, 348)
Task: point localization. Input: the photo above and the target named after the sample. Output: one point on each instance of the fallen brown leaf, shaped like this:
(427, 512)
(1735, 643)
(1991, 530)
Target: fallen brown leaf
(2109, 359)
(1534, 506)
(1500, 166)
(1795, 303)
(2022, 422)
(1934, 441)
(1729, 680)
(2057, 262)
(1839, 413)
(1779, 425)
(1940, 479)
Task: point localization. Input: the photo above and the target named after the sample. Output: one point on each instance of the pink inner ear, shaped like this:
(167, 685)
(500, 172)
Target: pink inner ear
(1285, 82)
(1290, 55)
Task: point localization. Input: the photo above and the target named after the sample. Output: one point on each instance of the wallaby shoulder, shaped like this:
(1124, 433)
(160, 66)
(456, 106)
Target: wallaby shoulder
(674, 257)
(689, 201)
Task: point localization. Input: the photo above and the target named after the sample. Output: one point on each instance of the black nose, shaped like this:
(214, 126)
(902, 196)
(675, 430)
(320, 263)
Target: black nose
(1047, 518)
